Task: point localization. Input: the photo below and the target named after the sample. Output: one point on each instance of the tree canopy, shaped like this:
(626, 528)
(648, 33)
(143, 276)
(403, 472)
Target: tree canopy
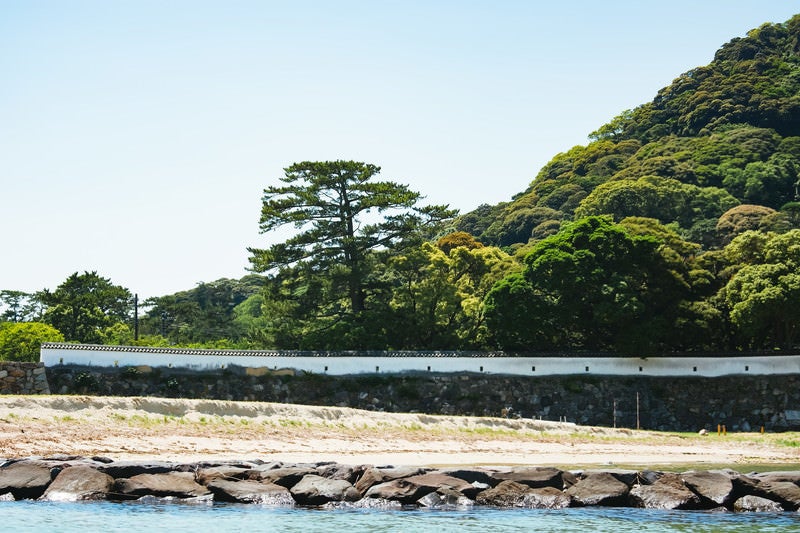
(593, 286)
(341, 214)
(83, 305)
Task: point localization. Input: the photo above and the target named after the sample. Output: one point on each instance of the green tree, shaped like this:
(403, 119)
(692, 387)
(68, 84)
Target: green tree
(84, 305)
(344, 219)
(20, 306)
(21, 341)
(761, 297)
(438, 292)
(202, 314)
(592, 286)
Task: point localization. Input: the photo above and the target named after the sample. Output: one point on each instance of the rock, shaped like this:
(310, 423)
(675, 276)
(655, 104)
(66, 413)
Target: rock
(669, 492)
(629, 477)
(743, 485)
(703, 432)
(791, 477)
(537, 477)
(599, 489)
(172, 484)
(26, 480)
(433, 481)
(62, 458)
(317, 490)
(445, 498)
(79, 483)
(337, 471)
(375, 476)
(230, 473)
(128, 469)
(506, 494)
(784, 492)
(484, 478)
(247, 491)
(287, 476)
(545, 498)
(713, 487)
(756, 504)
(648, 477)
(403, 490)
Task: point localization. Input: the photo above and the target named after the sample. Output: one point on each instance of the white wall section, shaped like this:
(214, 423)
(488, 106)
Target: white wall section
(344, 363)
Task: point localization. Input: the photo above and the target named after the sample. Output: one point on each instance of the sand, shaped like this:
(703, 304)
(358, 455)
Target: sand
(181, 430)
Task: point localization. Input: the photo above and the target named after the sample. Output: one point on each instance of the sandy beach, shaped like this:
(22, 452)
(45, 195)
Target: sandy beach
(203, 430)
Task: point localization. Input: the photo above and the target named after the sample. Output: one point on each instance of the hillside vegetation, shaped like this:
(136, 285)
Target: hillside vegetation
(721, 137)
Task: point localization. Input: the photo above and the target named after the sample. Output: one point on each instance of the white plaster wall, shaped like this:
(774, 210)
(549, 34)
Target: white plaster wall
(52, 355)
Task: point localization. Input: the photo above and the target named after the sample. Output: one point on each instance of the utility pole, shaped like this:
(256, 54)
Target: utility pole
(614, 415)
(637, 411)
(136, 317)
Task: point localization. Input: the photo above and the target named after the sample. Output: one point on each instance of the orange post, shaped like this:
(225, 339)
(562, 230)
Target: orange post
(719, 430)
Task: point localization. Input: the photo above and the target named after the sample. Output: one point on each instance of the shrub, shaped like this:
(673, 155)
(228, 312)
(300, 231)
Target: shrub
(22, 341)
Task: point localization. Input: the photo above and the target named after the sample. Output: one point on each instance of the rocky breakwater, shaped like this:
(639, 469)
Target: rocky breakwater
(333, 485)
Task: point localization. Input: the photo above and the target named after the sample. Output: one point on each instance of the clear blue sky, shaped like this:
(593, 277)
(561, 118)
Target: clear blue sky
(136, 137)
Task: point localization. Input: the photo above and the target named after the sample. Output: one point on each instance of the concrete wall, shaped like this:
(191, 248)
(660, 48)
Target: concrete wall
(346, 363)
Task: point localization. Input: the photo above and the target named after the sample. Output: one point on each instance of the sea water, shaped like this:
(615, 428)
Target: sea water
(152, 517)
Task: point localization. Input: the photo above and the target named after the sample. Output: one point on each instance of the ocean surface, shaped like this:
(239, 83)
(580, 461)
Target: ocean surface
(151, 517)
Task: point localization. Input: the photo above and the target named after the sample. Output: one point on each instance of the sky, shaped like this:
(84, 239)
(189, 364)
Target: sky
(137, 136)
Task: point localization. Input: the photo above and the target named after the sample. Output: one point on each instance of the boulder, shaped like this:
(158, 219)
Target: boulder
(26, 480)
(791, 477)
(506, 494)
(338, 471)
(545, 498)
(232, 473)
(433, 481)
(756, 504)
(629, 477)
(287, 476)
(401, 490)
(743, 485)
(246, 491)
(714, 488)
(445, 498)
(538, 477)
(127, 469)
(647, 477)
(317, 490)
(477, 476)
(376, 476)
(172, 484)
(599, 488)
(784, 492)
(79, 483)
(669, 492)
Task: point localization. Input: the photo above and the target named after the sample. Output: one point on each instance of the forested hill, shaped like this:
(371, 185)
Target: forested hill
(714, 153)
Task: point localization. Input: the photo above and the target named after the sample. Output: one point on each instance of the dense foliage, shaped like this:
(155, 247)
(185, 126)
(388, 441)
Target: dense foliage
(718, 136)
(677, 228)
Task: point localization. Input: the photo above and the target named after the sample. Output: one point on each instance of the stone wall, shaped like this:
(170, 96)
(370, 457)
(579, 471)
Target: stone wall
(741, 403)
(23, 378)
